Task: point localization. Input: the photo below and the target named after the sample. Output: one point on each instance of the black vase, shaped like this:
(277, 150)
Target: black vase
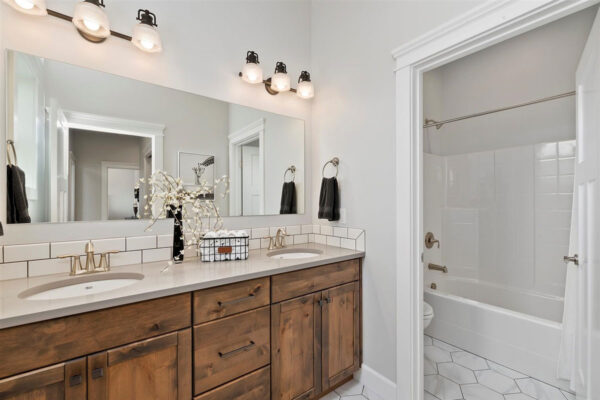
(178, 240)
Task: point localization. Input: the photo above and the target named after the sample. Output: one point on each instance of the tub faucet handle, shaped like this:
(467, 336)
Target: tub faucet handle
(571, 259)
(430, 240)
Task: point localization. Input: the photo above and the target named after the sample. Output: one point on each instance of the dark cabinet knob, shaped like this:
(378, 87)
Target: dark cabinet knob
(75, 380)
(97, 373)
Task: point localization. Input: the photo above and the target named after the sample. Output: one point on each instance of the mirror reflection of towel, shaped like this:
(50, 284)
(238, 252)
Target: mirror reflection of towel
(329, 200)
(288, 198)
(17, 207)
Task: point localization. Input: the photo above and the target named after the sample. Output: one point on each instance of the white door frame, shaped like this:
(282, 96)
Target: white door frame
(249, 133)
(492, 22)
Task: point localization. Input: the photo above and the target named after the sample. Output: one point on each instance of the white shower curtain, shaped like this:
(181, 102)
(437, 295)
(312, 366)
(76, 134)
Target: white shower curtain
(567, 359)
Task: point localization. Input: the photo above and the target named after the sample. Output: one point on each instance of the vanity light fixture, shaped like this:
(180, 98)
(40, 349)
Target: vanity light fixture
(145, 35)
(30, 7)
(280, 81)
(91, 21)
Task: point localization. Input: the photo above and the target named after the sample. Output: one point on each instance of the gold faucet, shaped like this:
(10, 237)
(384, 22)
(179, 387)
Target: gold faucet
(90, 261)
(278, 241)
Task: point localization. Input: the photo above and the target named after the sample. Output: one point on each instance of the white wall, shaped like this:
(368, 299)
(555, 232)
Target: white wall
(353, 118)
(205, 46)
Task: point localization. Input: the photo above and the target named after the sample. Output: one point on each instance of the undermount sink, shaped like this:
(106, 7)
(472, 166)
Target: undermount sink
(81, 286)
(293, 254)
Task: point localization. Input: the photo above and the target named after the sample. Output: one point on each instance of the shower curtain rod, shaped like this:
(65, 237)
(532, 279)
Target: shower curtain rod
(438, 124)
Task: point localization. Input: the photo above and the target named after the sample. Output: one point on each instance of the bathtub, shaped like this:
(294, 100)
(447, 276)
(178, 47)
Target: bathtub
(518, 329)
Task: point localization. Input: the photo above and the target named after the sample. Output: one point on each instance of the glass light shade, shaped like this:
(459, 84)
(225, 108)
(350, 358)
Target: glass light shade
(280, 82)
(146, 38)
(252, 73)
(305, 90)
(30, 7)
(91, 20)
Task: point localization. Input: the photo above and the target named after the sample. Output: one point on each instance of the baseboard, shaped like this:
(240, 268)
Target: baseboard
(376, 386)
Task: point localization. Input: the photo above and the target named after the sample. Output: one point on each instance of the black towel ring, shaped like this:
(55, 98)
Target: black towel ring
(291, 169)
(335, 162)
(10, 145)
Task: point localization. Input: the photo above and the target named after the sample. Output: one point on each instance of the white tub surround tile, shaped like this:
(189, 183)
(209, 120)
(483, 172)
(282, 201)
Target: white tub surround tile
(164, 241)
(49, 266)
(300, 239)
(13, 271)
(154, 255)
(326, 230)
(333, 241)
(259, 233)
(58, 249)
(340, 232)
(293, 230)
(104, 245)
(348, 244)
(141, 242)
(307, 229)
(321, 239)
(126, 258)
(26, 252)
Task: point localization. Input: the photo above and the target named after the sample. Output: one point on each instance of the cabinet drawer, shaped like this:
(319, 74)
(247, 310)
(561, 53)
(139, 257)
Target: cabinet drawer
(254, 386)
(299, 283)
(222, 301)
(35, 345)
(230, 347)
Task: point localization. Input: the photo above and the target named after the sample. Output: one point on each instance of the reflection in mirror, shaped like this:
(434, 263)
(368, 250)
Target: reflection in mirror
(84, 139)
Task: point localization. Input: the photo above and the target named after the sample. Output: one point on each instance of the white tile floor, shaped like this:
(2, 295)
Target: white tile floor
(454, 374)
(352, 390)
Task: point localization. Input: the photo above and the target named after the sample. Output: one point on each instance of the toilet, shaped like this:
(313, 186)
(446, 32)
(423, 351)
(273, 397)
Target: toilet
(427, 315)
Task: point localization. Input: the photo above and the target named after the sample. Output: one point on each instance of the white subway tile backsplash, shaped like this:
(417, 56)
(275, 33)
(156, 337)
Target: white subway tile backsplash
(13, 271)
(165, 241)
(354, 233)
(58, 249)
(293, 230)
(103, 245)
(544, 151)
(264, 243)
(25, 252)
(49, 266)
(1, 254)
(311, 238)
(259, 233)
(300, 239)
(333, 241)
(154, 255)
(316, 228)
(273, 230)
(140, 242)
(546, 167)
(566, 166)
(320, 239)
(566, 149)
(254, 244)
(326, 230)
(348, 244)
(360, 242)
(340, 232)
(126, 258)
(307, 229)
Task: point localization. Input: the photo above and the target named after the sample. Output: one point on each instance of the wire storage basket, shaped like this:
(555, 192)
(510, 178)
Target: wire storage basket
(225, 248)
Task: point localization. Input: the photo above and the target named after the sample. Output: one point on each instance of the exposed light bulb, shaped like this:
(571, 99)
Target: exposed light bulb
(145, 34)
(91, 24)
(305, 88)
(251, 71)
(25, 4)
(280, 82)
(147, 44)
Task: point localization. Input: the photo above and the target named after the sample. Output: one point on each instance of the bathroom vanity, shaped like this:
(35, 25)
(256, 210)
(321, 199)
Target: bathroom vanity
(257, 329)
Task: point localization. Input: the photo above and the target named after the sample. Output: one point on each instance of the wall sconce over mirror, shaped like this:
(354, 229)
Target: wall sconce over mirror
(280, 81)
(92, 22)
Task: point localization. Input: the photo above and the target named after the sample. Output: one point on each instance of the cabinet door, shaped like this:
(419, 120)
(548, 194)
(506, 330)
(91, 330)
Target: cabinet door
(295, 349)
(65, 381)
(341, 333)
(158, 368)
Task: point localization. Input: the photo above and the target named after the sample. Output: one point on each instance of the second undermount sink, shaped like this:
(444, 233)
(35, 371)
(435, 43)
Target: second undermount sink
(293, 254)
(81, 286)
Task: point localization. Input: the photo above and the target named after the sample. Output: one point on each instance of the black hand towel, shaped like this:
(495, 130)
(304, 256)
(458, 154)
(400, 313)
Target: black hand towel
(288, 198)
(329, 200)
(17, 205)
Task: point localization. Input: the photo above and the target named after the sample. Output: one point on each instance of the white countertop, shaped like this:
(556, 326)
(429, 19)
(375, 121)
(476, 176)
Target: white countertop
(160, 279)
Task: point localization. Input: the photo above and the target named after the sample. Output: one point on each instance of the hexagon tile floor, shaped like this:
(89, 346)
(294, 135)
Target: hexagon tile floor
(454, 374)
(352, 390)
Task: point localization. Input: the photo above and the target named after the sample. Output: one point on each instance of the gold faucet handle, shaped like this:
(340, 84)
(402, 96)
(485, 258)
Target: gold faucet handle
(271, 242)
(75, 262)
(105, 260)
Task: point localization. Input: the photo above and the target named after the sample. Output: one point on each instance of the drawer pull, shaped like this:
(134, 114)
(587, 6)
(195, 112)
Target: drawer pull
(235, 301)
(97, 373)
(75, 380)
(237, 351)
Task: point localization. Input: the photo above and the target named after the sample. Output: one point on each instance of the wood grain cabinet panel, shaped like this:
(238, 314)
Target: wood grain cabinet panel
(299, 283)
(341, 333)
(254, 386)
(230, 347)
(295, 348)
(65, 381)
(149, 369)
(27, 347)
(222, 301)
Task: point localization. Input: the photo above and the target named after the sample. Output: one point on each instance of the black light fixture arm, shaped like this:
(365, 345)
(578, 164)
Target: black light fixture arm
(65, 17)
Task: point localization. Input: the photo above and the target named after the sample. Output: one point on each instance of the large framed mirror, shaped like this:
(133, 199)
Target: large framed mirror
(79, 142)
